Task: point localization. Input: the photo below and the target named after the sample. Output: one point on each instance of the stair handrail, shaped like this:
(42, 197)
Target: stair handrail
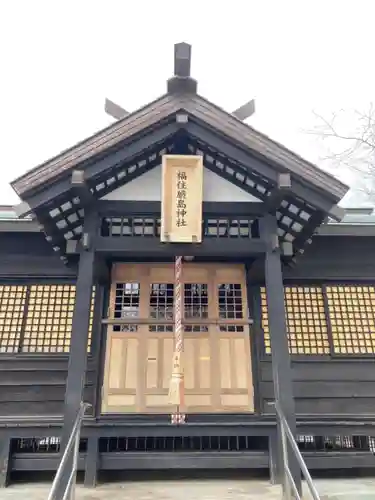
(74, 439)
(287, 436)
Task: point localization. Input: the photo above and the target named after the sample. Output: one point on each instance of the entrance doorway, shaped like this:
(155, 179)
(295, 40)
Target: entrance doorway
(216, 360)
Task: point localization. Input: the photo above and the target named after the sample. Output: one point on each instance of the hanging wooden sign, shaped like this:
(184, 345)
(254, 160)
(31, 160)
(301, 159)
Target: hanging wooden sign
(182, 196)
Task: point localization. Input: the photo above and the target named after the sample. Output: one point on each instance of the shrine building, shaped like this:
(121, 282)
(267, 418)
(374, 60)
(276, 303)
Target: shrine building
(276, 290)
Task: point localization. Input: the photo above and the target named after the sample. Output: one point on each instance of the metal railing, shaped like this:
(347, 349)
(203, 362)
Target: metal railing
(287, 436)
(72, 446)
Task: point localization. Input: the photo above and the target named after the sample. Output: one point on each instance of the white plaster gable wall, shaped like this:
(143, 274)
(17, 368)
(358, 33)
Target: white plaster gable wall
(147, 187)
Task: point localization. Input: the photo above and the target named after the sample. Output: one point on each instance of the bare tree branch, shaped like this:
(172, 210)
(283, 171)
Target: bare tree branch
(349, 140)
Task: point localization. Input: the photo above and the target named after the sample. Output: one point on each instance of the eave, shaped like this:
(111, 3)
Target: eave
(297, 193)
(200, 109)
(59, 208)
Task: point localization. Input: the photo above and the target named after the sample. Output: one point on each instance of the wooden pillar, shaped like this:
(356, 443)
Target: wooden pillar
(96, 344)
(91, 464)
(254, 308)
(5, 443)
(275, 459)
(281, 365)
(78, 348)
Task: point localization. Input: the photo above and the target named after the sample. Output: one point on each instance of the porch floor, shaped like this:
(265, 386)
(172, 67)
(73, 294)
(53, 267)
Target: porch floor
(211, 489)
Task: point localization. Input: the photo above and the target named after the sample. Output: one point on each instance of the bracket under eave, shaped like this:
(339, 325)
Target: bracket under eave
(81, 188)
(337, 213)
(22, 209)
(277, 195)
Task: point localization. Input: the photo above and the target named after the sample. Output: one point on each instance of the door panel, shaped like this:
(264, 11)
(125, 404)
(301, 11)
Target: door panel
(216, 359)
(122, 385)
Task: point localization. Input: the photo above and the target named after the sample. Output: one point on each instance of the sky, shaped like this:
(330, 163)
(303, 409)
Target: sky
(60, 59)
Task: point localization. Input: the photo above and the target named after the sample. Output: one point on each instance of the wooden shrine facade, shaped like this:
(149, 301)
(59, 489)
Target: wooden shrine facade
(273, 295)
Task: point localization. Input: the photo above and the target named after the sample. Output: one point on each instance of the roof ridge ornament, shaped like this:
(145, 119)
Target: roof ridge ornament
(182, 82)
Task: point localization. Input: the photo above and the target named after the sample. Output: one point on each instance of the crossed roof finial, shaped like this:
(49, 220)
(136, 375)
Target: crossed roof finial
(181, 83)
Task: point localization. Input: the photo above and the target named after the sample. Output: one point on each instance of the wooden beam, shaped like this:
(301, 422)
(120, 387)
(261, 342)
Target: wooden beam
(19, 226)
(78, 347)
(92, 462)
(126, 154)
(275, 459)
(263, 168)
(81, 189)
(127, 247)
(281, 364)
(107, 208)
(277, 195)
(102, 271)
(337, 213)
(232, 172)
(22, 209)
(146, 166)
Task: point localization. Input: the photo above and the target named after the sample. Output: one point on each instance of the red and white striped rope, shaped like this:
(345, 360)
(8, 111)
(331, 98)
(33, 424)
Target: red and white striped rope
(178, 305)
(177, 417)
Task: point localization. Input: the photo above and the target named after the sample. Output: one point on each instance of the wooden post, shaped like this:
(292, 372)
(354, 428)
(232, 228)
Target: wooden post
(274, 459)
(78, 348)
(281, 365)
(5, 467)
(91, 464)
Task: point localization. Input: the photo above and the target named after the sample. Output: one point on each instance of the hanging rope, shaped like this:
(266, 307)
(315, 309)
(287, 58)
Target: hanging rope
(176, 387)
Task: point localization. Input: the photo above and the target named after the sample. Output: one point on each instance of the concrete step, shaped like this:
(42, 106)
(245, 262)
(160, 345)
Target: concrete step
(330, 489)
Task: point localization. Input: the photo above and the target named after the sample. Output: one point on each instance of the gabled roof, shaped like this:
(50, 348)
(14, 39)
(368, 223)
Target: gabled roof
(180, 122)
(202, 110)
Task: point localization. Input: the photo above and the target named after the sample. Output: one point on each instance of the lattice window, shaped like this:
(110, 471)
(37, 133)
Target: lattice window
(150, 226)
(126, 305)
(196, 306)
(49, 318)
(339, 442)
(352, 317)
(230, 305)
(12, 306)
(161, 305)
(130, 226)
(334, 443)
(228, 228)
(38, 318)
(306, 320)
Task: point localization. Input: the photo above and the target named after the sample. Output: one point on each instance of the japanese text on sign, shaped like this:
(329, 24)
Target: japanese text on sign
(181, 194)
(182, 199)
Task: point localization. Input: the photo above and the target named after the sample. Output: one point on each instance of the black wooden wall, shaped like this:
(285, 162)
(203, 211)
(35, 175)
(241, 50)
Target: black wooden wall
(323, 385)
(29, 255)
(32, 384)
(336, 258)
(35, 384)
(326, 386)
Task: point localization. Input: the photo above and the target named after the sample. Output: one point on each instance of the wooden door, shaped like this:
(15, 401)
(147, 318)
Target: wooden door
(217, 362)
